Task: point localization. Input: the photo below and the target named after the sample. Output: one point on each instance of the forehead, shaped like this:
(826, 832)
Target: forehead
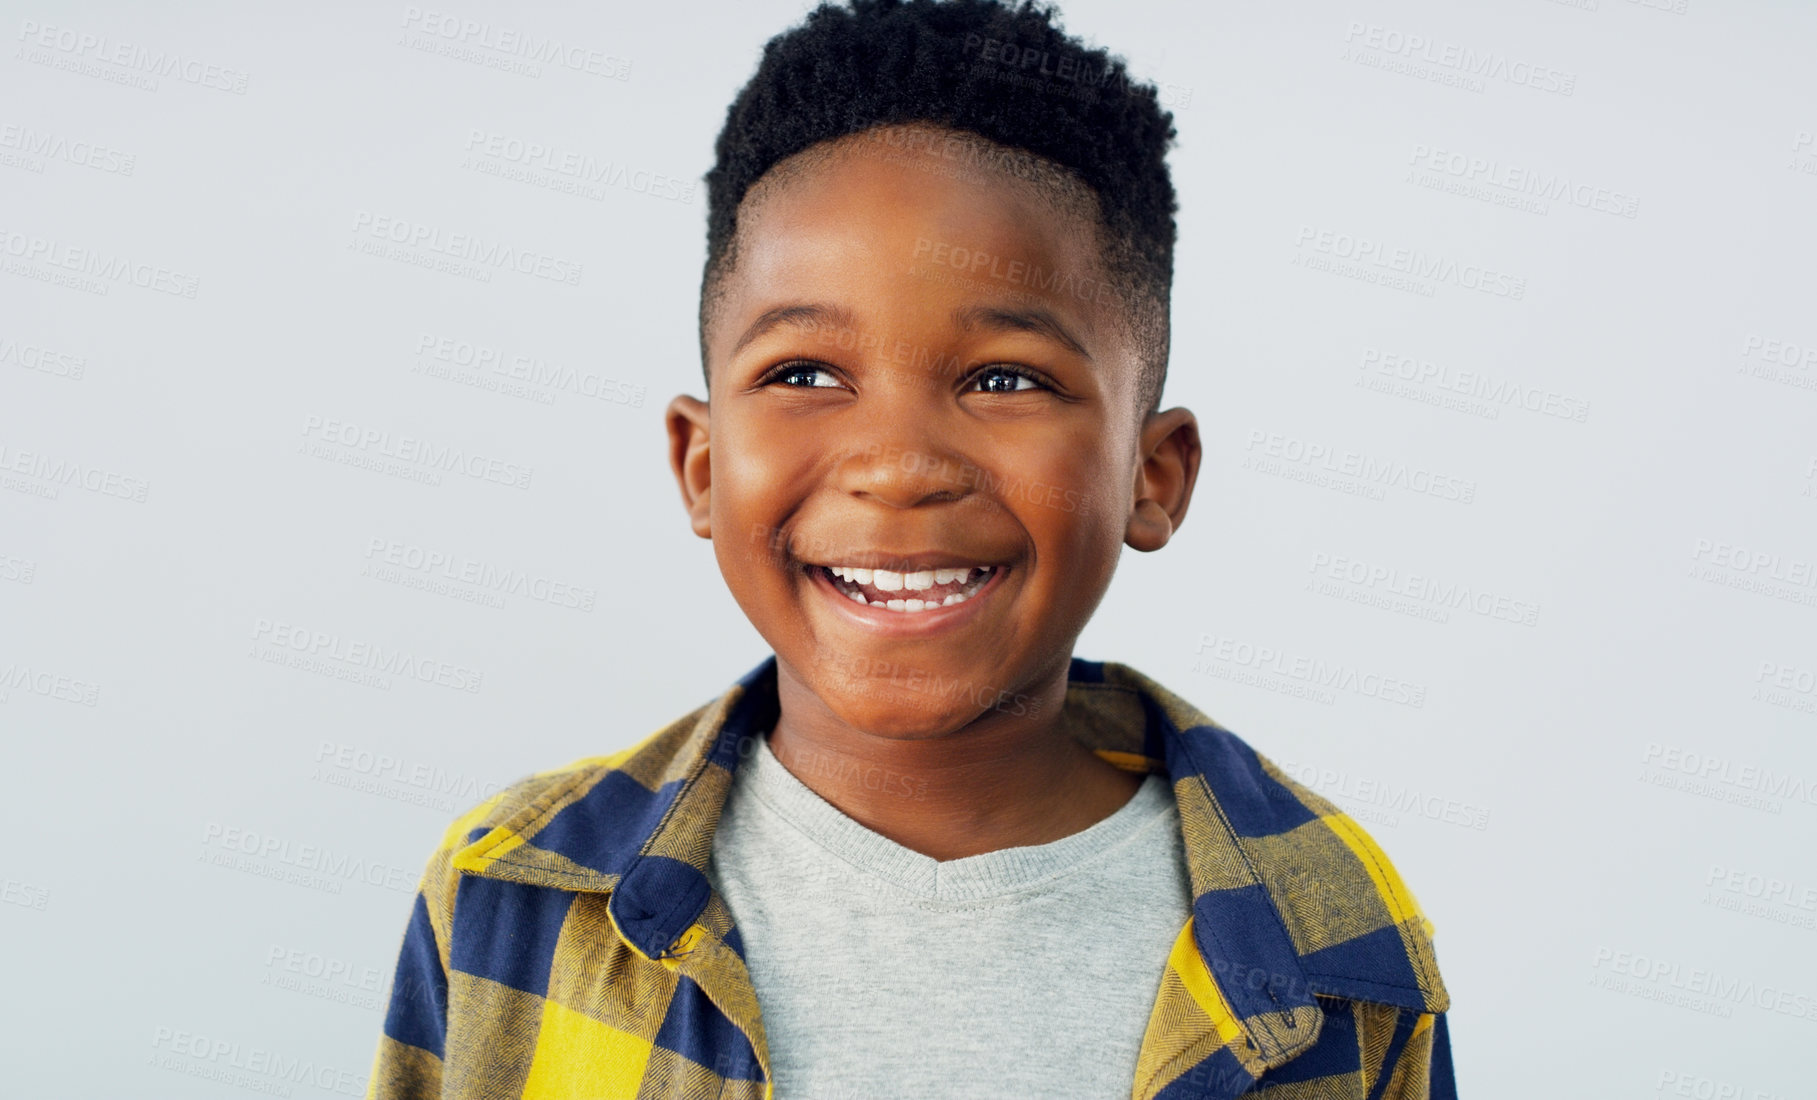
(917, 224)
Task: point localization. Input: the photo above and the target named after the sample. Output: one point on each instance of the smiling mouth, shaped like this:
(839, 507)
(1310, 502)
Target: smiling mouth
(907, 592)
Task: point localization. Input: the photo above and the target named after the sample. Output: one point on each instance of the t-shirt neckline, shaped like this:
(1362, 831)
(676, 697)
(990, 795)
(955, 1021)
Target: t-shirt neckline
(986, 875)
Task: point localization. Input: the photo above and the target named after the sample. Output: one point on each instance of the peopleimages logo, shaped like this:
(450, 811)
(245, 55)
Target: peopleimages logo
(381, 767)
(1366, 471)
(1712, 988)
(1706, 771)
(50, 685)
(1464, 61)
(1781, 352)
(63, 48)
(1410, 262)
(529, 50)
(72, 474)
(1494, 393)
(977, 261)
(487, 576)
(1766, 888)
(1214, 651)
(314, 974)
(316, 646)
(409, 449)
(544, 376)
(1039, 62)
(100, 270)
(1387, 795)
(1443, 594)
(253, 1068)
(1521, 180)
(1756, 563)
(36, 357)
(326, 864)
(557, 169)
(37, 145)
(465, 247)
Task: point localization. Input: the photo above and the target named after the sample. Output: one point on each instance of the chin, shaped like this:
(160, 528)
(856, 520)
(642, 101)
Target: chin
(898, 713)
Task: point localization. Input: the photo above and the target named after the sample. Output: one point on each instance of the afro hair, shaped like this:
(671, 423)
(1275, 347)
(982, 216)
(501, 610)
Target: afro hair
(1006, 73)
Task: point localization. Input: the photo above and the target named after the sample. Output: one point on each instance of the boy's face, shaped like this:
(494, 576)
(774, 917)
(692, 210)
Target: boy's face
(921, 371)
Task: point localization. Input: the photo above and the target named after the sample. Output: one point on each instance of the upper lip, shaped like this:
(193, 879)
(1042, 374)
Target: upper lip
(903, 562)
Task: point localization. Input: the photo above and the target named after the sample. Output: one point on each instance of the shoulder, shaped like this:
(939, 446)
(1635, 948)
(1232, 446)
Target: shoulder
(1353, 922)
(524, 800)
(558, 827)
(529, 798)
(1359, 929)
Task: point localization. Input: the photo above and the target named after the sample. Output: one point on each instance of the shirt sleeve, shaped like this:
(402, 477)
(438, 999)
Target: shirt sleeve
(1444, 1082)
(409, 1061)
(1422, 1068)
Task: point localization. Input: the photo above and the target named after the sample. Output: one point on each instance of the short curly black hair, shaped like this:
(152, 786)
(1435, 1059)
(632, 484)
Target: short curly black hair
(1004, 72)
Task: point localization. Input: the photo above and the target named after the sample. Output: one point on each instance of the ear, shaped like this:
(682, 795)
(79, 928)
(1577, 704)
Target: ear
(690, 450)
(1169, 449)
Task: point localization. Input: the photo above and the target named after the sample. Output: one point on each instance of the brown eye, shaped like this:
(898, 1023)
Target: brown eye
(1005, 380)
(803, 376)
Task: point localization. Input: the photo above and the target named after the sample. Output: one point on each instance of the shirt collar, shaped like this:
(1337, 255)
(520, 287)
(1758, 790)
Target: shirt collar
(1291, 898)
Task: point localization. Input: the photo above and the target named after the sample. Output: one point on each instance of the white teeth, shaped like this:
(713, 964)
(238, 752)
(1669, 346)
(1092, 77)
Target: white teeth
(972, 577)
(895, 580)
(910, 606)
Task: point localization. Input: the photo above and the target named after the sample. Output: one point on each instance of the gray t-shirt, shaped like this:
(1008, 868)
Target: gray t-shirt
(883, 973)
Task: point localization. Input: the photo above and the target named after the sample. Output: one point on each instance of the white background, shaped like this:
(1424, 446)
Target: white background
(1608, 811)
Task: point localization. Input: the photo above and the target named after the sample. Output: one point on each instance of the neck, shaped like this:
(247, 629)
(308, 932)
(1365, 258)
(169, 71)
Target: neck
(992, 780)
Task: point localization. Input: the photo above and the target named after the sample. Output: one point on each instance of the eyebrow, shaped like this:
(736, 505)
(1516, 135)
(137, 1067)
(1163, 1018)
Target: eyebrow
(1032, 320)
(812, 316)
(808, 316)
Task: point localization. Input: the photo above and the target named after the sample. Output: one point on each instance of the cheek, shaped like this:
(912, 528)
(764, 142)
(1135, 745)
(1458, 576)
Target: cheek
(752, 467)
(757, 470)
(1072, 499)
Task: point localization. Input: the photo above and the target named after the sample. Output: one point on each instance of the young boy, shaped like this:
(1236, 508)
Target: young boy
(922, 851)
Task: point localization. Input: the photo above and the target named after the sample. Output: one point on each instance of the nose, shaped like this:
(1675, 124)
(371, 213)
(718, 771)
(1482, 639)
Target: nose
(902, 463)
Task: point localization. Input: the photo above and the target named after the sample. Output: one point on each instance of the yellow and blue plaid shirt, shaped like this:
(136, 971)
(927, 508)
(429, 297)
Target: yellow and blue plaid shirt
(566, 942)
